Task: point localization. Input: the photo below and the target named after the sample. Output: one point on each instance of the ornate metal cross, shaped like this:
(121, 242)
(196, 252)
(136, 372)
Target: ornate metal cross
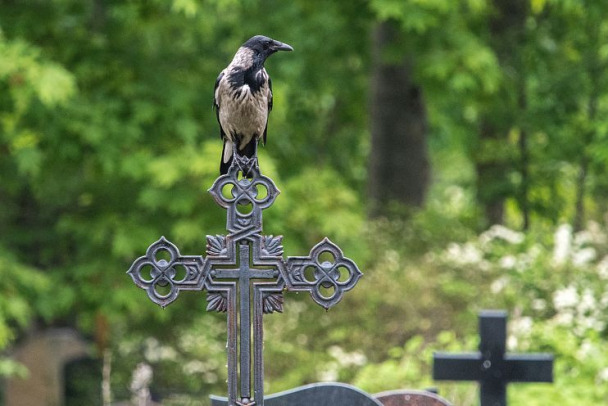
(491, 367)
(244, 274)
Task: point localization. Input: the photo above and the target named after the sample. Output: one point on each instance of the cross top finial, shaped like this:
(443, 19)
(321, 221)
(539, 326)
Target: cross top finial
(244, 197)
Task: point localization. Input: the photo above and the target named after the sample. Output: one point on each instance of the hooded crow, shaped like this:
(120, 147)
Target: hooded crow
(243, 98)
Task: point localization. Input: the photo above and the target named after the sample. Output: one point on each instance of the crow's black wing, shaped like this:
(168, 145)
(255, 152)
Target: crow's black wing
(270, 94)
(269, 109)
(216, 106)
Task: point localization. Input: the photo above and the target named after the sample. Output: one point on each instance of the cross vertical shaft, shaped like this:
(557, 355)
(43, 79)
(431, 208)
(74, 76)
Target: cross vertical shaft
(245, 320)
(492, 346)
(243, 277)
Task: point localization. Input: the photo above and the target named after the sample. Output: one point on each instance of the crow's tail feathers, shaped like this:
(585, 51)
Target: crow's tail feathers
(249, 151)
(226, 158)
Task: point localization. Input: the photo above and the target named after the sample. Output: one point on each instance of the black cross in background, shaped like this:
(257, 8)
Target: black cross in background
(491, 366)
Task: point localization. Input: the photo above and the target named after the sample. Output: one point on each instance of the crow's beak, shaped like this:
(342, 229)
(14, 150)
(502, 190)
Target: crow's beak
(280, 46)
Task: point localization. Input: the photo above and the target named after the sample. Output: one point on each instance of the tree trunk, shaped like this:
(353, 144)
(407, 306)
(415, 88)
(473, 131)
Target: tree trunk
(594, 71)
(524, 155)
(493, 163)
(399, 169)
(491, 167)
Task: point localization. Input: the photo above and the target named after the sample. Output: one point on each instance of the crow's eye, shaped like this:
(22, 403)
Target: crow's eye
(267, 44)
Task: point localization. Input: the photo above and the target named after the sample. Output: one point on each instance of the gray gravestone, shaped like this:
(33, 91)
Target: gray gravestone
(318, 394)
(44, 355)
(410, 398)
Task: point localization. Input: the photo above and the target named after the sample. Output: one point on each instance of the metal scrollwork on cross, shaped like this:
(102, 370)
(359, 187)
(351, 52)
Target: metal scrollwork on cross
(244, 274)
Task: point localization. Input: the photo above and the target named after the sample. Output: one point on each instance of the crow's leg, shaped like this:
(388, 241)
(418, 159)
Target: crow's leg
(235, 153)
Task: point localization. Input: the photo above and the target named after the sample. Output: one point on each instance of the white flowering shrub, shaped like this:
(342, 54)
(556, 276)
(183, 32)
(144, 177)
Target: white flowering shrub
(564, 280)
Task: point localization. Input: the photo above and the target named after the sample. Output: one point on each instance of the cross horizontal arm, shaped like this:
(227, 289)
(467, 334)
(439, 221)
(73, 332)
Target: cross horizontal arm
(327, 281)
(252, 273)
(529, 367)
(163, 272)
(516, 367)
(457, 367)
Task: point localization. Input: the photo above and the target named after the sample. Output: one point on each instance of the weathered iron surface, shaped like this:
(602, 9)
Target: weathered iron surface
(244, 273)
(410, 398)
(491, 366)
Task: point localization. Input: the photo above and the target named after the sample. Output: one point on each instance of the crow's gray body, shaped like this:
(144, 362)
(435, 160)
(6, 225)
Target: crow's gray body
(243, 98)
(242, 108)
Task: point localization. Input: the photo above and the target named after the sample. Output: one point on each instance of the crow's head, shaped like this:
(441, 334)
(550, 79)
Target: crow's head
(263, 46)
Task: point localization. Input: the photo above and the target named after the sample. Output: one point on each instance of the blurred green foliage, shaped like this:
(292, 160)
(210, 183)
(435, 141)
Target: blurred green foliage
(108, 141)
